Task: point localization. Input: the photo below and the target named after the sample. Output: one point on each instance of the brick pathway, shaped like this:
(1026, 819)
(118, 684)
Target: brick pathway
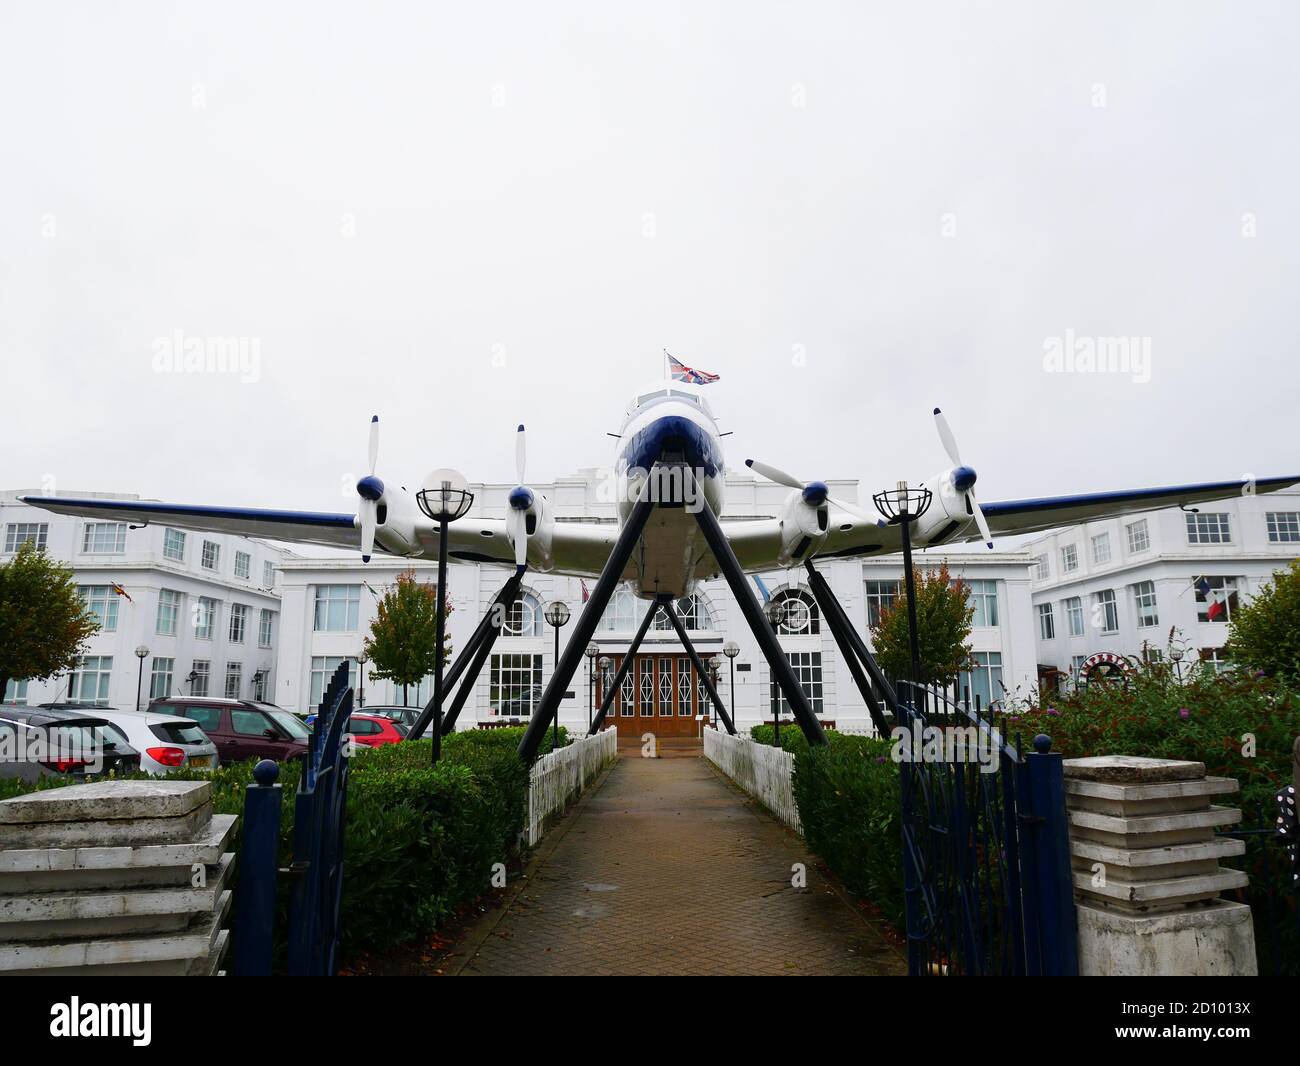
(669, 869)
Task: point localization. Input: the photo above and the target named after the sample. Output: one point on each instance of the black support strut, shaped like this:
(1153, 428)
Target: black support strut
(698, 663)
(585, 626)
(744, 594)
(623, 668)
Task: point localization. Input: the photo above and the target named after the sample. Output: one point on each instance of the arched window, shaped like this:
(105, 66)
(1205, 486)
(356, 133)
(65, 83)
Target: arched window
(624, 612)
(800, 617)
(523, 618)
(694, 612)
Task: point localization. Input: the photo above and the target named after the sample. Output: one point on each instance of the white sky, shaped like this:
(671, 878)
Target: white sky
(338, 182)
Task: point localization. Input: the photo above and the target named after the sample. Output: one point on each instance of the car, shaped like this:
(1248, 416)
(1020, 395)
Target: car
(407, 716)
(166, 742)
(241, 729)
(74, 740)
(375, 730)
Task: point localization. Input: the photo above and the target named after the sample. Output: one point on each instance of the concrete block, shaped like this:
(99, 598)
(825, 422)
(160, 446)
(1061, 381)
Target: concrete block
(1213, 940)
(106, 801)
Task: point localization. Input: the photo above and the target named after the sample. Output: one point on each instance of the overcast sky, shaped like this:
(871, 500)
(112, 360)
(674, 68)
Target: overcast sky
(461, 217)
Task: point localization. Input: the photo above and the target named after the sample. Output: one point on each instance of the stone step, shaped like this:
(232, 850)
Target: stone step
(106, 813)
(123, 831)
(1150, 896)
(1147, 831)
(105, 913)
(1155, 864)
(38, 869)
(195, 950)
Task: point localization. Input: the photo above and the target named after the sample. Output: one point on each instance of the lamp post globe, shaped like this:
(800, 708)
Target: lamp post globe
(731, 649)
(444, 496)
(362, 659)
(557, 616)
(141, 653)
(774, 610)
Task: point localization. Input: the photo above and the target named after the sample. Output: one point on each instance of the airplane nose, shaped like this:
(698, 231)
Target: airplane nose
(963, 478)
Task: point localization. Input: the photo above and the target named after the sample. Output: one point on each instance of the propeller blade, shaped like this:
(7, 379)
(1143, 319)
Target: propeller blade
(368, 508)
(374, 442)
(945, 435)
(773, 474)
(519, 453)
(980, 520)
(517, 527)
(850, 508)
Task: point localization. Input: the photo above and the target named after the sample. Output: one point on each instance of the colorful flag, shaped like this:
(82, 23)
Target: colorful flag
(679, 371)
(1202, 587)
(585, 594)
(1218, 607)
(122, 592)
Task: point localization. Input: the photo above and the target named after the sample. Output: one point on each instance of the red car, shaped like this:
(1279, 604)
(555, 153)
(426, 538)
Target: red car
(372, 730)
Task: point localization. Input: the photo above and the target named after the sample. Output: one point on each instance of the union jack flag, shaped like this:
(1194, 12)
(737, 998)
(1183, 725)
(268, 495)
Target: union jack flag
(681, 372)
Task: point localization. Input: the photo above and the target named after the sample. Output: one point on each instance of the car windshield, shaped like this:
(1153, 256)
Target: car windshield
(290, 723)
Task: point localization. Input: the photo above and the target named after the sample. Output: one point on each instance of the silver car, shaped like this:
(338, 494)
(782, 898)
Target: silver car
(165, 742)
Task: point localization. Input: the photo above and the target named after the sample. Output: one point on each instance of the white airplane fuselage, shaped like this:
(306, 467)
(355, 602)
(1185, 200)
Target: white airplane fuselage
(669, 422)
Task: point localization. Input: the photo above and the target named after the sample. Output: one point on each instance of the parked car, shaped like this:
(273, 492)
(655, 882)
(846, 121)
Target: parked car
(76, 739)
(406, 716)
(241, 729)
(166, 742)
(374, 730)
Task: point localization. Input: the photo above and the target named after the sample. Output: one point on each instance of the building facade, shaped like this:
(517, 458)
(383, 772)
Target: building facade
(1121, 585)
(203, 607)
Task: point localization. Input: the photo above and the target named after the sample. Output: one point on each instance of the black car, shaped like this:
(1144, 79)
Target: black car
(62, 739)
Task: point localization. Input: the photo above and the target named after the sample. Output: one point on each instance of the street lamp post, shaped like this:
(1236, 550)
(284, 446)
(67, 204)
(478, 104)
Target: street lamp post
(715, 671)
(902, 506)
(362, 659)
(557, 615)
(593, 649)
(731, 649)
(775, 612)
(141, 653)
(444, 497)
(604, 663)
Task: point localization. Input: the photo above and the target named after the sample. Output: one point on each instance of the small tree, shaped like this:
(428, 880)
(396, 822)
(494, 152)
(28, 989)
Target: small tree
(1265, 633)
(403, 637)
(943, 623)
(44, 626)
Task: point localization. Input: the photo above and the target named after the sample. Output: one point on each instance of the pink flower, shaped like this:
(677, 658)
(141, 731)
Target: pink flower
(1184, 713)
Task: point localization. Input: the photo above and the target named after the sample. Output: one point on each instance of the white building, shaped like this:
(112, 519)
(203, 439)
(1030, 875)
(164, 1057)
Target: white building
(328, 605)
(1121, 584)
(204, 606)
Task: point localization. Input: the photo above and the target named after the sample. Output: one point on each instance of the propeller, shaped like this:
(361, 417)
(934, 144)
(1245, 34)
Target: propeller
(963, 477)
(370, 489)
(815, 493)
(521, 501)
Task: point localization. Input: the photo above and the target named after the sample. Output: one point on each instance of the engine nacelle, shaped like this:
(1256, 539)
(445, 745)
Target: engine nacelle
(396, 522)
(949, 513)
(541, 533)
(803, 528)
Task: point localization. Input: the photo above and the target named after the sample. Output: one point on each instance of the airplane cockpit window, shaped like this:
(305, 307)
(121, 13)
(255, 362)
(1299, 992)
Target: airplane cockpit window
(640, 400)
(687, 396)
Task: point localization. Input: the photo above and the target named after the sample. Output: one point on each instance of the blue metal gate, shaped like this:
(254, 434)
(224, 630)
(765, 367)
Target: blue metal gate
(986, 859)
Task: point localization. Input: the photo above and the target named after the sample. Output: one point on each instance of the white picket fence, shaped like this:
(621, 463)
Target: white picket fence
(560, 776)
(765, 772)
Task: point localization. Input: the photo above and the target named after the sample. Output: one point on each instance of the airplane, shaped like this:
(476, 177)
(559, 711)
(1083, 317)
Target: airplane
(669, 422)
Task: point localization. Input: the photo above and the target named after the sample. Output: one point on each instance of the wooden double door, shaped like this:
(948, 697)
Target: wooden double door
(662, 694)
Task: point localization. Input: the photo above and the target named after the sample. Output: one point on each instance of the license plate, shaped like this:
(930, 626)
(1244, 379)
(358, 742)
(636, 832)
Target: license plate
(200, 762)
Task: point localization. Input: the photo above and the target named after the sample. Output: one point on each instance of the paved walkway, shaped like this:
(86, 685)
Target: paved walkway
(667, 868)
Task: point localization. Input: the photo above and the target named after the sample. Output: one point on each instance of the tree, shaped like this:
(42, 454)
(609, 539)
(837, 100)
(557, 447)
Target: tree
(943, 624)
(403, 637)
(44, 626)
(1265, 633)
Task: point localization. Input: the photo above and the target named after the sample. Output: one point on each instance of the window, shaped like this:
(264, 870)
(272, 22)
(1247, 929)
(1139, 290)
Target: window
(1213, 661)
(983, 681)
(101, 601)
(205, 618)
(243, 564)
(685, 690)
(807, 666)
(234, 679)
(1046, 623)
(169, 610)
(1069, 559)
(1139, 539)
(90, 680)
(322, 669)
(1144, 604)
(268, 574)
(160, 681)
(105, 538)
(1216, 598)
(208, 718)
(799, 617)
(1042, 568)
(1101, 548)
(1283, 527)
(202, 673)
(16, 692)
(249, 723)
(880, 594)
(1076, 668)
(174, 545)
(1074, 615)
(523, 618)
(259, 686)
(515, 684)
(692, 610)
(18, 533)
(238, 618)
(624, 612)
(337, 608)
(1208, 528)
(1105, 611)
(265, 624)
(211, 559)
(983, 597)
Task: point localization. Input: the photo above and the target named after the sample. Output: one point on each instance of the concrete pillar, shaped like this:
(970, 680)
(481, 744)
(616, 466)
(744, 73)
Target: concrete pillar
(1146, 869)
